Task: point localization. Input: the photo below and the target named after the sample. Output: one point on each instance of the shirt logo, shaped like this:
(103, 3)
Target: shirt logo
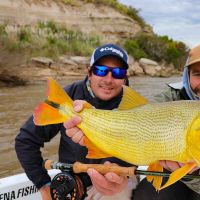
(113, 50)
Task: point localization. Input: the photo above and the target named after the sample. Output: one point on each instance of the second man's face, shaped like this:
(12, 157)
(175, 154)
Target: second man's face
(195, 78)
(106, 87)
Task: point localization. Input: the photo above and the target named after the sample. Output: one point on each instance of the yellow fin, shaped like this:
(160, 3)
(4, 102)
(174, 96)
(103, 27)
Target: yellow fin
(93, 151)
(87, 105)
(156, 180)
(178, 174)
(45, 114)
(131, 99)
(56, 94)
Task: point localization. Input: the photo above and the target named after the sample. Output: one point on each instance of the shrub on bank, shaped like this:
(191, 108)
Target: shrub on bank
(134, 49)
(48, 39)
(157, 48)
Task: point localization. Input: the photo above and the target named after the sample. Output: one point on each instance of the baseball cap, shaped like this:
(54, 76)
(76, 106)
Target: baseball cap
(109, 50)
(194, 56)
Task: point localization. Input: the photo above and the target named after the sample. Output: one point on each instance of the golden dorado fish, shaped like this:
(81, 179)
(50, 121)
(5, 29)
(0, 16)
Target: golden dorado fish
(138, 133)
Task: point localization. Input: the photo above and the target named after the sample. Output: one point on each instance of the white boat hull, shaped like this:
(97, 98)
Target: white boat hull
(20, 187)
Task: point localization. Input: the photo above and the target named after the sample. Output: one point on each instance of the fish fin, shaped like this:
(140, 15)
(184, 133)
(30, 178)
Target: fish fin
(87, 105)
(193, 140)
(156, 180)
(131, 99)
(178, 174)
(93, 151)
(56, 93)
(45, 114)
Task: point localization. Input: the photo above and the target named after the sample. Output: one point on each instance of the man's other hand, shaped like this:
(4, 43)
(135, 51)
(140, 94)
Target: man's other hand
(173, 166)
(71, 125)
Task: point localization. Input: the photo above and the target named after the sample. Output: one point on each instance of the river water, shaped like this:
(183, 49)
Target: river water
(17, 104)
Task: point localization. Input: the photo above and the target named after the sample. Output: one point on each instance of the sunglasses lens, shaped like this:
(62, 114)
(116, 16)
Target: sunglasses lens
(100, 70)
(118, 73)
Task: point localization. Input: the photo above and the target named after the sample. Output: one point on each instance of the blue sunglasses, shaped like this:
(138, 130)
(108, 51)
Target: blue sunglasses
(117, 72)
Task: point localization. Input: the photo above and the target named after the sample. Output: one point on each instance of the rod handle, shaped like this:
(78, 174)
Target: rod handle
(103, 169)
(48, 164)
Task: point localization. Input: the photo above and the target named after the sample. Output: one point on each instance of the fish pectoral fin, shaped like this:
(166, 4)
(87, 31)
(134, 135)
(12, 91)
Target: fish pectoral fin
(178, 174)
(131, 99)
(87, 105)
(156, 180)
(93, 151)
(45, 114)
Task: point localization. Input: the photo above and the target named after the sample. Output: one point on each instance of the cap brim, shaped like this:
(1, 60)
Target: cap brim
(193, 62)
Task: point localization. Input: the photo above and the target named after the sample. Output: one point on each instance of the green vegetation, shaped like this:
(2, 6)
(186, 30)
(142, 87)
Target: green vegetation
(157, 48)
(3, 29)
(132, 47)
(48, 39)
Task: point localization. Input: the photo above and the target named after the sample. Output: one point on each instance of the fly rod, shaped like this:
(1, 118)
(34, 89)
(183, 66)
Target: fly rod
(78, 167)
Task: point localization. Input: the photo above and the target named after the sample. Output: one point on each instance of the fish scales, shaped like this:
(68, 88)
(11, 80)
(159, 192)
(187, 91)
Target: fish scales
(134, 134)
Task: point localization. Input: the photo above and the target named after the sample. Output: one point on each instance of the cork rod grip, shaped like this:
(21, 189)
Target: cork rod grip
(103, 169)
(47, 164)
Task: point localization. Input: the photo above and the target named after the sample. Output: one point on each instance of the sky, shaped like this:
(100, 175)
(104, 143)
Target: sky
(178, 19)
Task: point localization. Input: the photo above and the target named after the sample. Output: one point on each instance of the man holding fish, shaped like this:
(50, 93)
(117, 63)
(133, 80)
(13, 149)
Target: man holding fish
(102, 88)
(189, 90)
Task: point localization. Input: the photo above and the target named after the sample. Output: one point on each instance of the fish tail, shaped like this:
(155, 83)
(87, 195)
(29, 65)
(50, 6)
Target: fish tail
(52, 110)
(193, 140)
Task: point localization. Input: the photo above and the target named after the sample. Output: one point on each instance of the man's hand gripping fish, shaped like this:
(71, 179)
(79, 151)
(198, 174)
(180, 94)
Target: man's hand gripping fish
(138, 133)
